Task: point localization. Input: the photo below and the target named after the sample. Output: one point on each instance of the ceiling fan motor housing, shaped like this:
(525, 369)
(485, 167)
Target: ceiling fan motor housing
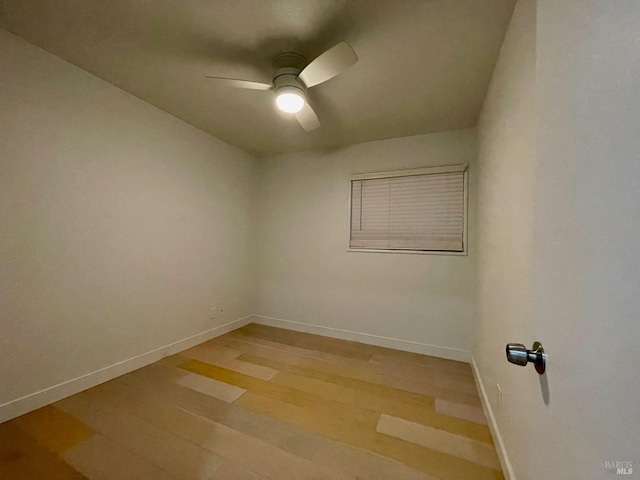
(289, 60)
(288, 67)
(288, 82)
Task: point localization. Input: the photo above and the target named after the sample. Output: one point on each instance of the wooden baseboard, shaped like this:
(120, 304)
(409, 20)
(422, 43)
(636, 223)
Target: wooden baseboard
(19, 406)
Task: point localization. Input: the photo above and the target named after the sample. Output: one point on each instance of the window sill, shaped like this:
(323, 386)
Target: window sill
(411, 252)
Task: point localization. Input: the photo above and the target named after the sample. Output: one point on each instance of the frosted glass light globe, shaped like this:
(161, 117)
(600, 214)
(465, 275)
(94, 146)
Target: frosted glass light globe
(289, 102)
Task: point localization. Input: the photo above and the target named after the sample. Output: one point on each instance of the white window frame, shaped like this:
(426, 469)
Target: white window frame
(464, 168)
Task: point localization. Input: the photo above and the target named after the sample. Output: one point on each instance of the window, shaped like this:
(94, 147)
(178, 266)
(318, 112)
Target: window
(419, 210)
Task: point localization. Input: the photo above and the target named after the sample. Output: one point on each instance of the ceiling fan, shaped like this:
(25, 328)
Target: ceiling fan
(294, 76)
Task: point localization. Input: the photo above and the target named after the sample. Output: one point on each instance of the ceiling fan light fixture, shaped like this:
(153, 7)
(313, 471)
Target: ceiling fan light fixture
(290, 99)
(293, 76)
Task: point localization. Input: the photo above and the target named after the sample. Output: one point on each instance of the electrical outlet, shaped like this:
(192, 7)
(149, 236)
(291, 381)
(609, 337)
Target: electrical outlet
(216, 311)
(499, 396)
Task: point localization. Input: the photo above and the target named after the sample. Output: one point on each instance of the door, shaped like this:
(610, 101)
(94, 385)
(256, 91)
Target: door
(585, 417)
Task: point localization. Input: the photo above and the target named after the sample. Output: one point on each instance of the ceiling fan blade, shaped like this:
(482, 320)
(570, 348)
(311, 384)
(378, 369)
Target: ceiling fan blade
(328, 65)
(236, 83)
(307, 118)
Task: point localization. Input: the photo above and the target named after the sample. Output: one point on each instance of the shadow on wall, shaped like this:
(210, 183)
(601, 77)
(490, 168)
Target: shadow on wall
(544, 388)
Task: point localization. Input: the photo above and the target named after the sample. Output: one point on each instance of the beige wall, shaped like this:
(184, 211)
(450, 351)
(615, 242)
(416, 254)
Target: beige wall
(558, 226)
(506, 209)
(306, 274)
(120, 224)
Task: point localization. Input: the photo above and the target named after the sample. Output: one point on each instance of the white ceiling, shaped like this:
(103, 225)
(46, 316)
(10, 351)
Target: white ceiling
(424, 64)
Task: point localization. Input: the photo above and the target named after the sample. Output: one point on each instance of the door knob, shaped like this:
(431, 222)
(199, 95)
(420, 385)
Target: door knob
(517, 353)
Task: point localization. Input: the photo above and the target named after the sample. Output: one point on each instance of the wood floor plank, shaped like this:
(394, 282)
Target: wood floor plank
(342, 348)
(167, 451)
(384, 363)
(377, 354)
(417, 413)
(154, 403)
(399, 358)
(433, 379)
(305, 352)
(312, 420)
(270, 461)
(212, 354)
(452, 382)
(233, 445)
(208, 386)
(172, 360)
(446, 467)
(358, 372)
(219, 356)
(56, 430)
(373, 388)
(360, 463)
(24, 458)
(430, 461)
(440, 440)
(339, 410)
(234, 471)
(149, 374)
(473, 414)
(101, 459)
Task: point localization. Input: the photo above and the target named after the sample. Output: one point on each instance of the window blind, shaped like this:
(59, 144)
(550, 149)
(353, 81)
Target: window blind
(411, 212)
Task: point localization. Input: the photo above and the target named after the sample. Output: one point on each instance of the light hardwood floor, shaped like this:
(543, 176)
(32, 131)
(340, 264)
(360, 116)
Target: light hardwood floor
(263, 403)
